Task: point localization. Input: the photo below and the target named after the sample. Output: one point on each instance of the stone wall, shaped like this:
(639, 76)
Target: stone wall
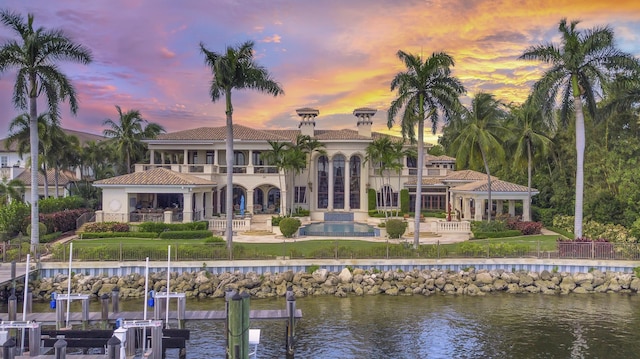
(204, 284)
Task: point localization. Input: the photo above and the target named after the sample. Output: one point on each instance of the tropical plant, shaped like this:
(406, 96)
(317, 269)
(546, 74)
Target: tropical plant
(294, 162)
(11, 190)
(127, 134)
(309, 147)
(275, 157)
(529, 129)
(579, 65)
(482, 129)
(425, 90)
(235, 70)
(34, 57)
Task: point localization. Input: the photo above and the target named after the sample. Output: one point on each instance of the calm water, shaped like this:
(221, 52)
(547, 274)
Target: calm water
(331, 228)
(494, 326)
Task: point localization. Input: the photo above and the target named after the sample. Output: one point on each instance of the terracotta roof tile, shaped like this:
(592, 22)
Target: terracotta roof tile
(429, 181)
(442, 158)
(466, 175)
(496, 186)
(64, 177)
(220, 134)
(155, 177)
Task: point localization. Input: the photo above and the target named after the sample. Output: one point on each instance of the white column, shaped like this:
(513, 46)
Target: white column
(152, 157)
(250, 166)
(162, 157)
(187, 210)
(512, 208)
(249, 202)
(200, 203)
(208, 204)
(499, 207)
(347, 184)
(479, 209)
(186, 157)
(330, 204)
(283, 201)
(466, 201)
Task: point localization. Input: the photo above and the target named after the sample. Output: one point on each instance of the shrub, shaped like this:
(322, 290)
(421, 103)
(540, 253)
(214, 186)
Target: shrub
(94, 235)
(63, 221)
(275, 220)
(544, 215)
(371, 196)
(396, 228)
(14, 217)
(48, 238)
(289, 226)
(493, 226)
(100, 227)
(404, 200)
(41, 227)
(163, 227)
(52, 205)
(214, 239)
(312, 268)
(185, 234)
(525, 228)
(502, 234)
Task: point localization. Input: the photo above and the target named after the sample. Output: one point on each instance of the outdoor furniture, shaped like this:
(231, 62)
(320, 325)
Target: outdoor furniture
(257, 208)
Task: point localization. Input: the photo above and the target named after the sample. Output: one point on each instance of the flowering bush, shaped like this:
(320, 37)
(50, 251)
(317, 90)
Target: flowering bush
(105, 227)
(63, 221)
(593, 229)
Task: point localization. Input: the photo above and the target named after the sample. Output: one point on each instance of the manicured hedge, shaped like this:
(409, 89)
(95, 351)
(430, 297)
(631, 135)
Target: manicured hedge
(404, 200)
(164, 227)
(396, 228)
(186, 234)
(63, 221)
(52, 205)
(501, 234)
(48, 238)
(101, 227)
(371, 195)
(289, 226)
(94, 235)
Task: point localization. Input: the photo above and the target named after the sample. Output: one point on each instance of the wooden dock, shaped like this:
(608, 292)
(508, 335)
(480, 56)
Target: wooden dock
(5, 273)
(49, 318)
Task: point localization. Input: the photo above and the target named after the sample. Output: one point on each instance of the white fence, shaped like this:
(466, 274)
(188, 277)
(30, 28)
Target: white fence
(453, 227)
(239, 225)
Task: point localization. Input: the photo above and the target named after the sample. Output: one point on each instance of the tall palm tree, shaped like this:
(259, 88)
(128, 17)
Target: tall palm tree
(128, 132)
(482, 129)
(34, 56)
(579, 65)
(235, 69)
(380, 153)
(275, 157)
(294, 162)
(425, 90)
(310, 146)
(530, 136)
(10, 190)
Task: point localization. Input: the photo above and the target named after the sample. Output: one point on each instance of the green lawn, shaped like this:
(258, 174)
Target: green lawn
(311, 247)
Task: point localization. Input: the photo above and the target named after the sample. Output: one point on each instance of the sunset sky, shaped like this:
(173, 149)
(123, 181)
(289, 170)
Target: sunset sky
(331, 55)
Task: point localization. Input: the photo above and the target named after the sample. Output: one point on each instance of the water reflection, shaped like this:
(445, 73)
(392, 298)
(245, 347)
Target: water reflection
(494, 326)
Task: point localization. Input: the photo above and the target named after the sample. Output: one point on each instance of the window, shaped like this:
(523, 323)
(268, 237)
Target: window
(210, 157)
(412, 162)
(4, 161)
(323, 182)
(387, 197)
(338, 182)
(354, 182)
(299, 194)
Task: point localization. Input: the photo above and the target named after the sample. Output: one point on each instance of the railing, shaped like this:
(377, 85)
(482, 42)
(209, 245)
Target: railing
(332, 250)
(197, 168)
(146, 217)
(453, 227)
(220, 225)
(84, 218)
(265, 169)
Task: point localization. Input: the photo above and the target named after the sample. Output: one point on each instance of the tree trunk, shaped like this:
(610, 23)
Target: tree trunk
(33, 143)
(486, 167)
(416, 220)
(229, 157)
(55, 180)
(580, 144)
(529, 171)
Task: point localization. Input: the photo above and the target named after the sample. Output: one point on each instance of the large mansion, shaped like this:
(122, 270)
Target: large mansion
(186, 177)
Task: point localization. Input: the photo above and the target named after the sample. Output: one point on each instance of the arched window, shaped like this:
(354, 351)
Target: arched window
(387, 197)
(354, 182)
(338, 181)
(323, 182)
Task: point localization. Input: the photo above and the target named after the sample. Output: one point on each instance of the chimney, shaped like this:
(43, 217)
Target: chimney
(307, 120)
(364, 120)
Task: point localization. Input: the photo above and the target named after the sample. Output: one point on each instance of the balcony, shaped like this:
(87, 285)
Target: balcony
(207, 169)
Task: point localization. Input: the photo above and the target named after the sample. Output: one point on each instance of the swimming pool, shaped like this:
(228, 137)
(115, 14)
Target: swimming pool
(342, 229)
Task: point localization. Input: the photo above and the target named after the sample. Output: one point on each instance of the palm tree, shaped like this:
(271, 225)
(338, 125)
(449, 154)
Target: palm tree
(380, 152)
(425, 90)
(34, 58)
(579, 65)
(482, 129)
(10, 190)
(310, 146)
(235, 70)
(294, 162)
(127, 134)
(49, 134)
(275, 157)
(530, 130)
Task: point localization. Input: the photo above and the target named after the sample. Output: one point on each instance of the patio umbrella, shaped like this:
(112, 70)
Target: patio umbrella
(242, 205)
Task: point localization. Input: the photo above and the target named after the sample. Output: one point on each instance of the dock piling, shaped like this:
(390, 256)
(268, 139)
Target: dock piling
(113, 348)
(291, 322)
(13, 307)
(60, 348)
(115, 299)
(104, 299)
(238, 346)
(9, 348)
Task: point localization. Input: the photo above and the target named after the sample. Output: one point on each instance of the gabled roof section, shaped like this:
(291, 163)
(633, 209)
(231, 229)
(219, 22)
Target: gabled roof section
(442, 158)
(496, 186)
(240, 132)
(344, 134)
(155, 177)
(64, 177)
(466, 175)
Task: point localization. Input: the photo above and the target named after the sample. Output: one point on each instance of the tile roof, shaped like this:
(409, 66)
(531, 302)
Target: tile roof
(64, 177)
(156, 177)
(496, 186)
(466, 175)
(442, 158)
(83, 137)
(241, 132)
(429, 181)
